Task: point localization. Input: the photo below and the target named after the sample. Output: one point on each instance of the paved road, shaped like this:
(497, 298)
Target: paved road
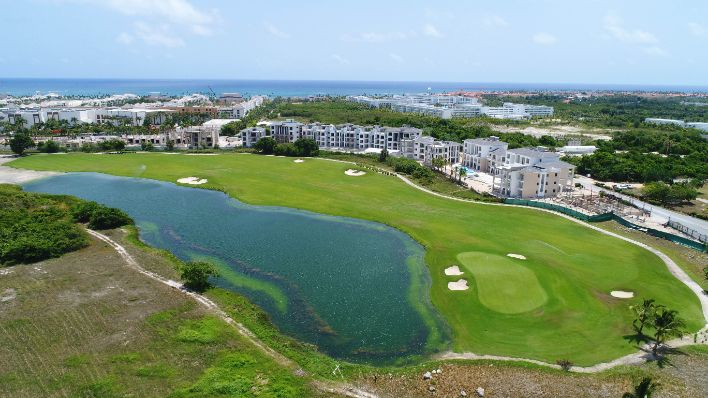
(656, 211)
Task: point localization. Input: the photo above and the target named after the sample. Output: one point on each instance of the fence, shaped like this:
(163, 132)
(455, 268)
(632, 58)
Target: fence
(610, 216)
(688, 231)
(561, 209)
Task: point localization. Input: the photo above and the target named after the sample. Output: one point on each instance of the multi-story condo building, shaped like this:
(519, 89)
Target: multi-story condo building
(483, 154)
(250, 136)
(453, 106)
(426, 148)
(532, 173)
(347, 137)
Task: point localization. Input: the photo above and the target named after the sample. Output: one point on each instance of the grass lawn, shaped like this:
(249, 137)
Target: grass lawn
(574, 266)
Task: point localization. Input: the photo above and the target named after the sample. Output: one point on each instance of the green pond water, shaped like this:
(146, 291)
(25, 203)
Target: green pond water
(356, 289)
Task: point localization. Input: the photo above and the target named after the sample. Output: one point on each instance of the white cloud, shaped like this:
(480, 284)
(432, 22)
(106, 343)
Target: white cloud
(614, 26)
(655, 51)
(396, 57)
(432, 31)
(698, 29)
(495, 21)
(180, 12)
(544, 39)
(159, 35)
(273, 30)
(340, 59)
(377, 37)
(125, 38)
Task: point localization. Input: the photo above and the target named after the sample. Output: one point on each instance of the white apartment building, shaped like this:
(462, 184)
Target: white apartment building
(532, 173)
(250, 136)
(425, 149)
(483, 154)
(345, 137)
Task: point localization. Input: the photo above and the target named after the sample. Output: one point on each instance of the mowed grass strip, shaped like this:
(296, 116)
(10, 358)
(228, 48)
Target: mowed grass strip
(576, 266)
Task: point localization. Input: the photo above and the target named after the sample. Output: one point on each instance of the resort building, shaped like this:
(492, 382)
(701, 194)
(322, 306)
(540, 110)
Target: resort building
(532, 173)
(483, 154)
(345, 137)
(447, 106)
(425, 148)
(250, 136)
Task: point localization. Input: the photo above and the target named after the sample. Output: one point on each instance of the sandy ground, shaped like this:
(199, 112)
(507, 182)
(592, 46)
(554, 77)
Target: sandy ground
(557, 131)
(621, 294)
(8, 175)
(192, 181)
(453, 271)
(459, 285)
(298, 160)
(354, 173)
(519, 256)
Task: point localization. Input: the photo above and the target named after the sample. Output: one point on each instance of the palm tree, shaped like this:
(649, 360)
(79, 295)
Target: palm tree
(645, 389)
(462, 172)
(644, 314)
(666, 324)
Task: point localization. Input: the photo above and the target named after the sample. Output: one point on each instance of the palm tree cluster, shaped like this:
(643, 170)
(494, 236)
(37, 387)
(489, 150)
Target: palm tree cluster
(665, 322)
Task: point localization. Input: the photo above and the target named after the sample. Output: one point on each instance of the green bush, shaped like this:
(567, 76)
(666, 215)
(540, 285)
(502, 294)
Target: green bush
(98, 216)
(35, 227)
(195, 274)
(49, 147)
(108, 218)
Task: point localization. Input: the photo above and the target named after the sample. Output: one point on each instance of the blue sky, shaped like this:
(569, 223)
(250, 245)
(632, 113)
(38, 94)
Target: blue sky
(539, 41)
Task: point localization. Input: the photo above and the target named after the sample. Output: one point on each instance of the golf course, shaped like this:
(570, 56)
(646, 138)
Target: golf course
(552, 301)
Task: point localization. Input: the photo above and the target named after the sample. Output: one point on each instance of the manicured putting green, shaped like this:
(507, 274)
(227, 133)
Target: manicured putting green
(504, 285)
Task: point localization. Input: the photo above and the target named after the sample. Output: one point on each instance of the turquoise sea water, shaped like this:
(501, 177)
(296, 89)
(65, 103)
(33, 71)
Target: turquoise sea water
(340, 283)
(289, 88)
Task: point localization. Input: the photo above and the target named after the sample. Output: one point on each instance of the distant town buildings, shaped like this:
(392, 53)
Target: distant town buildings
(153, 113)
(452, 106)
(694, 125)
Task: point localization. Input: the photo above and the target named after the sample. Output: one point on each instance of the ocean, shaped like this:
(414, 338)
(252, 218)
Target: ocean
(290, 88)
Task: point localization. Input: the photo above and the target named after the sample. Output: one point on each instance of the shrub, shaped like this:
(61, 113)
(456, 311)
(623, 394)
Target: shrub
(112, 145)
(49, 147)
(564, 364)
(265, 145)
(147, 146)
(98, 216)
(286, 150)
(108, 218)
(195, 274)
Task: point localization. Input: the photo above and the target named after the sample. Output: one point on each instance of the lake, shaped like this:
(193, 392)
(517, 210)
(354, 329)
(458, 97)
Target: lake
(356, 289)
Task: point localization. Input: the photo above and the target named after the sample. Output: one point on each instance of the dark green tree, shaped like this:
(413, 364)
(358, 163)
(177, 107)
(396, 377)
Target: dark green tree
(49, 146)
(307, 147)
(265, 145)
(195, 274)
(20, 142)
(383, 155)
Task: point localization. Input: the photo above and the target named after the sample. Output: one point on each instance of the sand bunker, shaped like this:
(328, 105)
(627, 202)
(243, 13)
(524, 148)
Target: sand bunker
(201, 154)
(192, 181)
(453, 271)
(519, 256)
(298, 160)
(170, 153)
(621, 294)
(354, 173)
(459, 285)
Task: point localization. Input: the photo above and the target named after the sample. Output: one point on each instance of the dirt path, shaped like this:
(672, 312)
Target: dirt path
(329, 387)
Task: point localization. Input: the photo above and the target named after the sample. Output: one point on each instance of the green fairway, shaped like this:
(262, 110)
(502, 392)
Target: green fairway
(574, 267)
(504, 285)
